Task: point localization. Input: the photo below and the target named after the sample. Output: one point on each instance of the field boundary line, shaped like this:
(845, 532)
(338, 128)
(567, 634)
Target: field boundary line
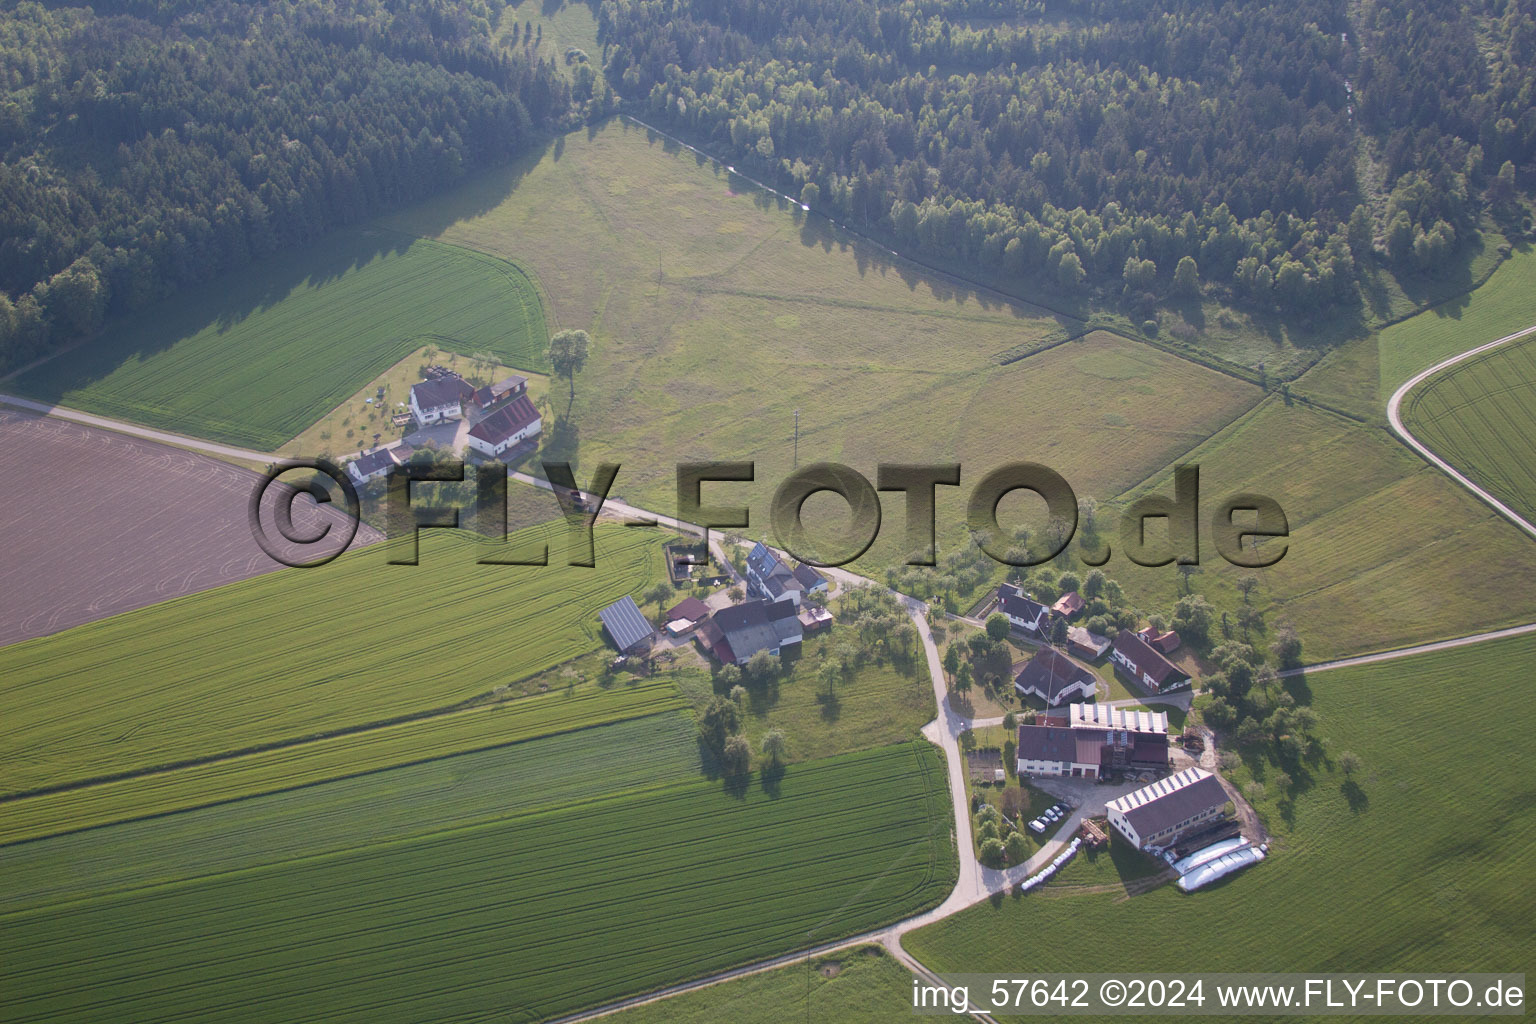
(476, 704)
(1395, 420)
(364, 773)
(148, 433)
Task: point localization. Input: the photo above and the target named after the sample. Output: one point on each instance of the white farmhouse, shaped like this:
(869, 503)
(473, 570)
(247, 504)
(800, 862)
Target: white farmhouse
(513, 423)
(441, 398)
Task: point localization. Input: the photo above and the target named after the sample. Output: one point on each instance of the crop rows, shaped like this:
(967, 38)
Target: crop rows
(1480, 416)
(340, 814)
(298, 653)
(350, 754)
(520, 920)
(256, 360)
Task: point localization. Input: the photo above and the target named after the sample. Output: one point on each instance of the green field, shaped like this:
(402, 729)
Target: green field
(1361, 375)
(256, 359)
(297, 653)
(521, 919)
(877, 705)
(1418, 863)
(855, 986)
(342, 814)
(716, 314)
(1384, 549)
(1480, 416)
(493, 724)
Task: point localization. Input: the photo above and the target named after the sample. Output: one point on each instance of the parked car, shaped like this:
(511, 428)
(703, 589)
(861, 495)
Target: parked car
(1037, 827)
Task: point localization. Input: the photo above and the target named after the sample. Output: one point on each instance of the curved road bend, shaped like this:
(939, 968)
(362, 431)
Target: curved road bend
(1394, 417)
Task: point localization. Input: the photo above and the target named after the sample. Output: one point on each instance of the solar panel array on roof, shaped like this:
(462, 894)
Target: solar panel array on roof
(625, 625)
(1098, 716)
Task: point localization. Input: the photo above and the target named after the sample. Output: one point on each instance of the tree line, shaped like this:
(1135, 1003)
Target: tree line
(149, 146)
(1204, 147)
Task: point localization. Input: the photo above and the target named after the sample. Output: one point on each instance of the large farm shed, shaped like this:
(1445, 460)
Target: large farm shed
(1155, 814)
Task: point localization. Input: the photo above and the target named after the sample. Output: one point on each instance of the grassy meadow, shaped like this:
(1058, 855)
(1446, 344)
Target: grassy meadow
(298, 653)
(1384, 549)
(523, 918)
(1360, 376)
(1417, 863)
(256, 359)
(717, 314)
(877, 705)
(1480, 416)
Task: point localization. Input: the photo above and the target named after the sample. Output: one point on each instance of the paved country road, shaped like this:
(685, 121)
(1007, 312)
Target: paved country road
(1394, 407)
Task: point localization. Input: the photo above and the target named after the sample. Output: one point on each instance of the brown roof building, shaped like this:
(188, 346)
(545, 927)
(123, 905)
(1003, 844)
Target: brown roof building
(1132, 656)
(1157, 814)
(1055, 678)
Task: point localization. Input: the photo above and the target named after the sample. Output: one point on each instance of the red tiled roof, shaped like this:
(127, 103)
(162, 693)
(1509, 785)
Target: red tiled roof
(1070, 603)
(1146, 659)
(506, 421)
(690, 608)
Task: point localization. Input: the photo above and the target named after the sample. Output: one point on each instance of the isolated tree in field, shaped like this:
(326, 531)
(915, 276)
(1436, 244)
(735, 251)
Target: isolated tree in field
(773, 747)
(1254, 791)
(736, 759)
(1251, 620)
(1246, 585)
(568, 355)
(721, 718)
(1093, 583)
(997, 627)
(1192, 617)
(1349, 763)
(963, 678)
(727, 677)
(1186, 573)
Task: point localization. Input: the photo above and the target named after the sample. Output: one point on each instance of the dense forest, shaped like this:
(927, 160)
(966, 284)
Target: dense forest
(1267, 153)
(146, 146)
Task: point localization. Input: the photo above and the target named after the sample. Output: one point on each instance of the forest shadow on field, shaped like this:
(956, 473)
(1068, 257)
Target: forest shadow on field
(229, 298)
